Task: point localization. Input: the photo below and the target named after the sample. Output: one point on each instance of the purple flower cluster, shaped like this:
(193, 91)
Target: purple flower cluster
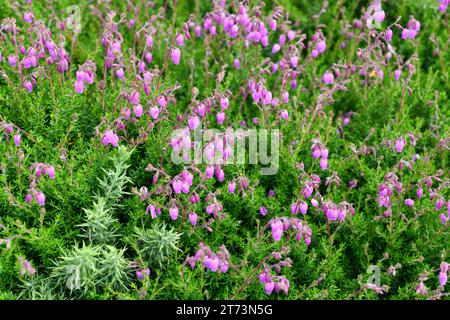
(335, 212)
(328, 77)
(215, 262)
(109, 137)
(443, 274)
(154, 211)
(411, 30)
(444, 218)
(85, 74)
(183, 182)
(299, 228)
(443, 4)
(9, 130)
(241, 182)
(27, 268)
(40, 170)
(318, 44)
(42, 51)
(374, 14)
(143, 273)
(392, 183)
(442, 280)
(270, 276)
(319, 151)
(400, 144)
(274, 283)
(386, 189)
(213, 206)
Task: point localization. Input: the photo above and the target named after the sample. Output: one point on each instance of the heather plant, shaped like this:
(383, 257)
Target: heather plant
(224, 149)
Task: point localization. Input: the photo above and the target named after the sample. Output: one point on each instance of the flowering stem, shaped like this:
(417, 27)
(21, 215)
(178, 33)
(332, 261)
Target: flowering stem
(357, 292)
(249, 279)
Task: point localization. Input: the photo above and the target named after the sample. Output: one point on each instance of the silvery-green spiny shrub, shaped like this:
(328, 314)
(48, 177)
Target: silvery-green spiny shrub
(77, 269)
(156, 244)
(113, 183)
(39, 288)
(89, 268)
(99, 223)
(114, 268)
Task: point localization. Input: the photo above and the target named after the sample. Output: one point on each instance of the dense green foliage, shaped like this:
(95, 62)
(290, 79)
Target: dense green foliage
(93, 230)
